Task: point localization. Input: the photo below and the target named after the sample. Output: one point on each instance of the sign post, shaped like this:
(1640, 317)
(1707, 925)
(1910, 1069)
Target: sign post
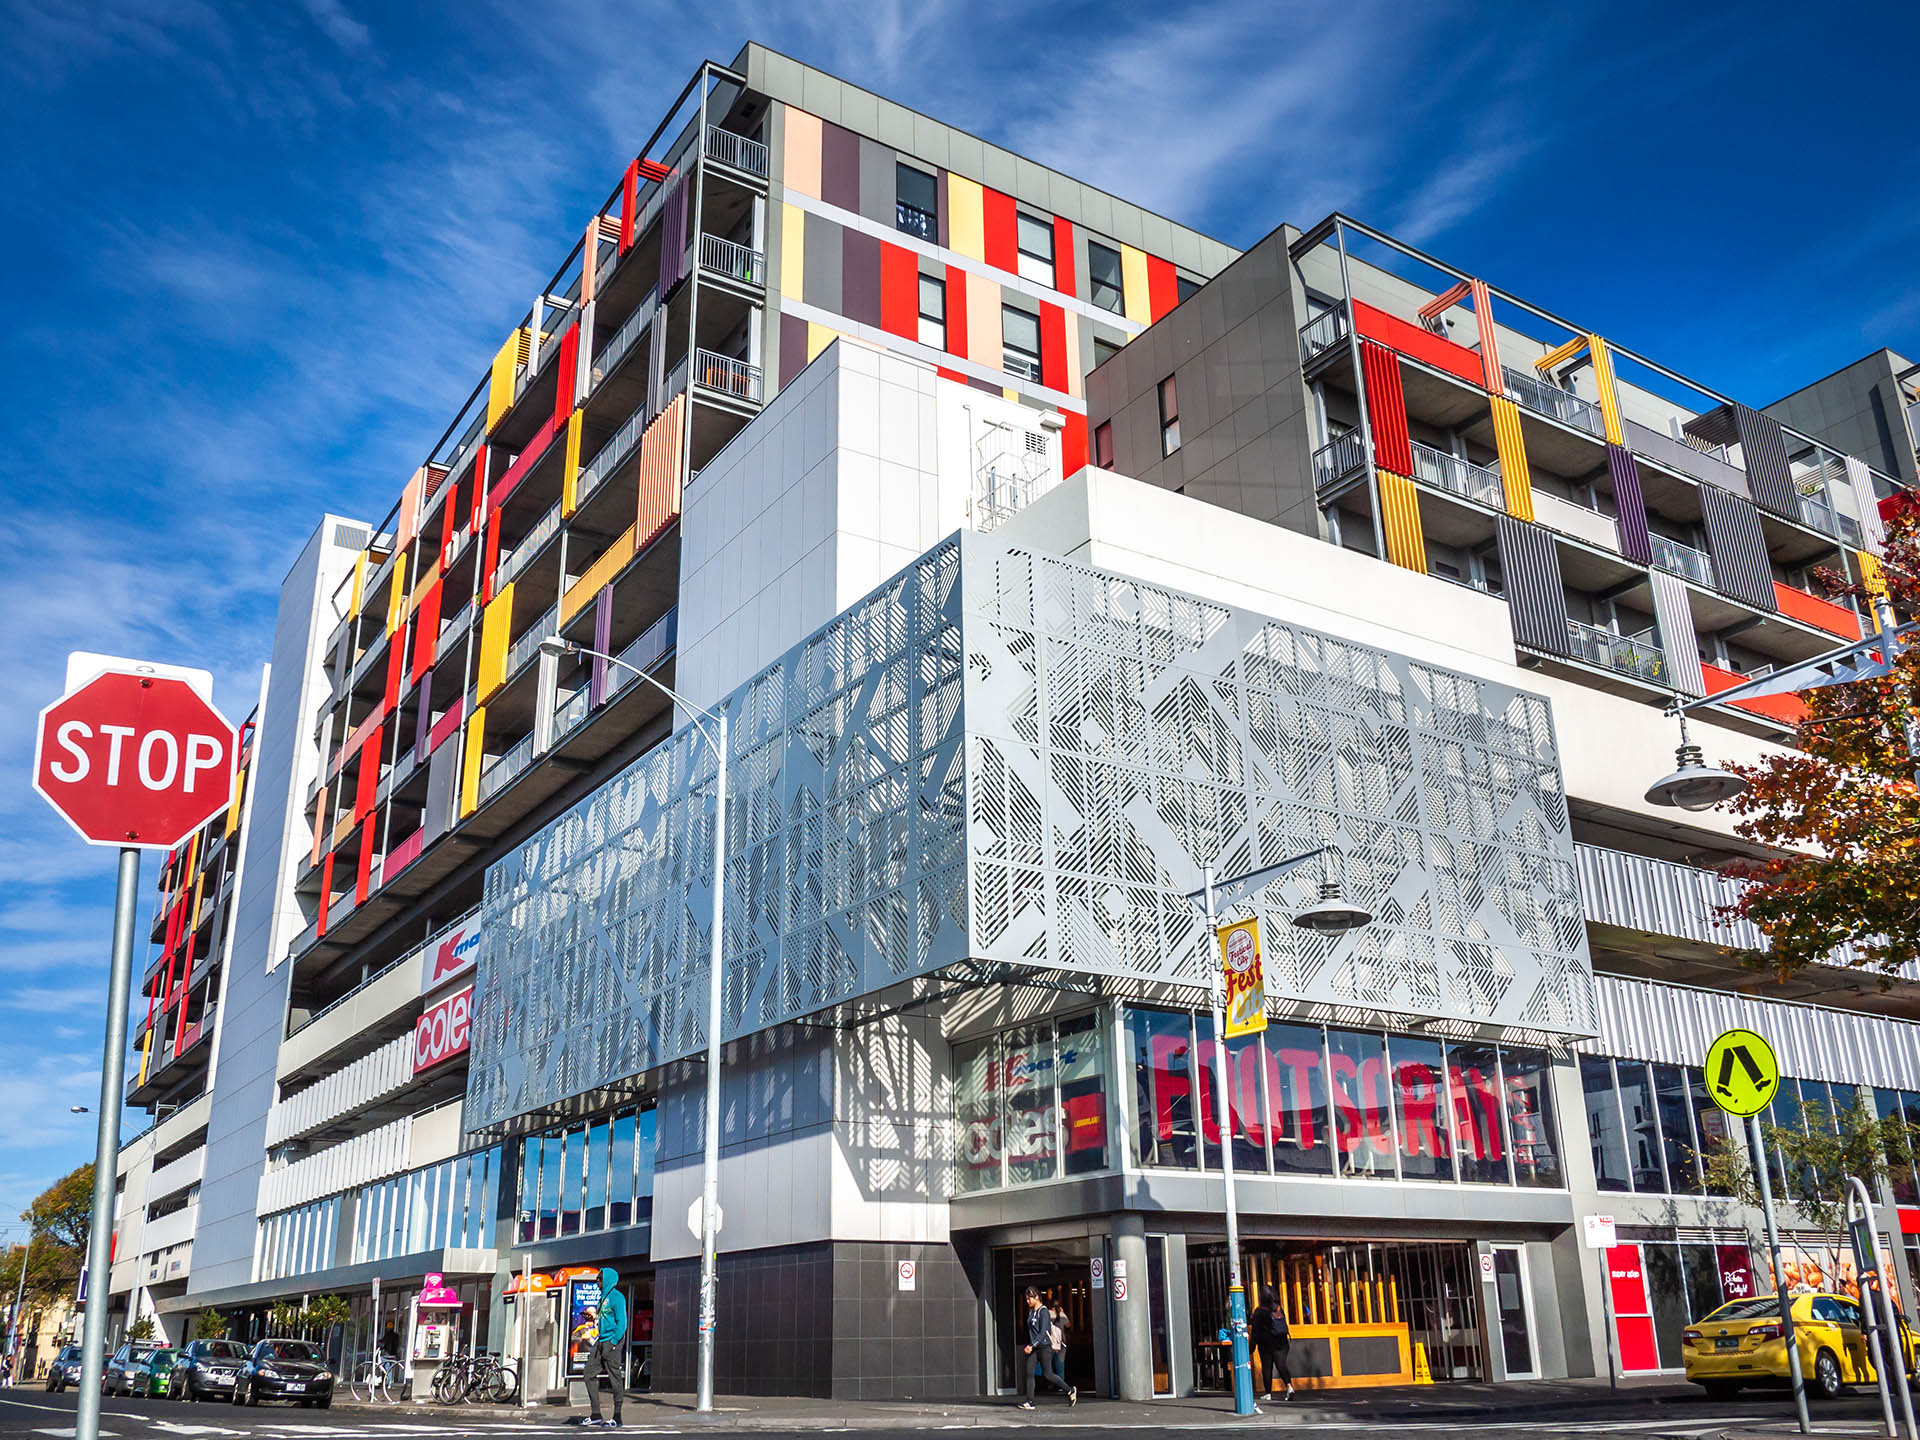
(1602, 1236)
(1239, 957)
(133, 755)
(1742, 1075)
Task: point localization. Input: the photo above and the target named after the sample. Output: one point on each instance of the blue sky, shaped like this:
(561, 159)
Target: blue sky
(256, 255)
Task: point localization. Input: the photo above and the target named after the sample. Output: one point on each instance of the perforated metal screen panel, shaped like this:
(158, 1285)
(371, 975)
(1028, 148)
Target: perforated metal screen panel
(1005, 756)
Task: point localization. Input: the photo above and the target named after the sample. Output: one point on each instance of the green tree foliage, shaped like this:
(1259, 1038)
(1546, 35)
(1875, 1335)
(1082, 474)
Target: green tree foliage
(1816, 1157)
(59, 1218)
(141, 1329)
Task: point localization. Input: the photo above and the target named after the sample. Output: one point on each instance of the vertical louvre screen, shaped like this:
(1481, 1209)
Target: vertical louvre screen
(1386, 408)
(1860, 481)
(1516, 479)
(1768, 474)
(1738, 547)
(1535, 593)
(1400, 519)
(1674, 615)
(1632, 519)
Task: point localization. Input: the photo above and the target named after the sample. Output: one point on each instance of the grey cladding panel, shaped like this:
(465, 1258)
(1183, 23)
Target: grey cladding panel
(1739, 548)
(1765, 448)
(1536, 595)
(877, 181)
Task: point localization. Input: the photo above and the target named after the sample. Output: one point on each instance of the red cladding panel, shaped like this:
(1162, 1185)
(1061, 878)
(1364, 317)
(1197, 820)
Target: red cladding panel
(1386, 408)
(426, 636)
(899, 291)
(629, 188)
(526, 460)
(369, 782)
(493, 558)
(1787, 709)
(1637, 1348)
(396, 668)
(1002, 230)
(1063, 271)
(957, 312)
(1812, 610)
(1073, 444)
(564, 376)
(1163, 286)
(1053, 346)
(449, 522)
(1417, 343)
(326, 893)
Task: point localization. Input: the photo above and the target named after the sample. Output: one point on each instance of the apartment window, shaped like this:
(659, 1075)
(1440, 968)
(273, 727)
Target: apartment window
(933, 312)
(1020, 339)
(1103, 277)
(916, 207)
(1184, 288)
(1035, 238)
(1169, 416)
(1103, 351)
(1103, 445)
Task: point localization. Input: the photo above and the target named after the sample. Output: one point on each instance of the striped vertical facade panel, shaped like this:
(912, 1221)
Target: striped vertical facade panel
(659, 502)
(899, 291)
(793, 252)
(1489, 341)
(472, 758)
(878, 185)
(1400, 518)
(1053, 347)
(1065, 268)
(326, 895)
(673, 236)
(1536, 595)
(423, 715)
(984, 342)
(1673, 614)
(957, 332)
(359, 591)
(1000, 230)
(1616, 433)
(860, 276)
(1873, 575)
(363, 881)
(1769, 476)
(1386, 408)
(1866, 501)
(1631, 522)
(570, 466)
(426, 634)
(563, 375)
(319, 824)
(367, 783)
(490, 556)
(509, 358)
(599, 574)
(1135, 299)
(407, 521)
(603, 642)
(449, 522)
(839, 166)
(1163, 286)
(793, 348)
(1739, 548)
(1516, 478)
(590, 258)
(629, 208)
(800, 152)
(821, 263)
(966, 217)
(397, 595)
(496, 634)
(482, 468)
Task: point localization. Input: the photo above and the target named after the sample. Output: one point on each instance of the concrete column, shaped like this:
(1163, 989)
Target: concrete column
(1132, 1332)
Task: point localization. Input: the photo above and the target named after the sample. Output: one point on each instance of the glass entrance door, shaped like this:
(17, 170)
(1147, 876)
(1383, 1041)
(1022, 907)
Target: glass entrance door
(1510, 1301)
(1061, 1273)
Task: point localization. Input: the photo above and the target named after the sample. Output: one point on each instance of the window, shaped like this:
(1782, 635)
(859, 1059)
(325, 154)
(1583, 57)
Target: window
(1535, 1140)
(1030, 1120)
(1473, 1091)
(1419, 1098)
(1184, 288)
(977, 1112)
(1103, 445)
(1362, 1105)
(1603, 1124)
(1676, 1128)
(1020, 339)
(1169, 417)
(1105, 287)
(1244, 1109)
(1163, 1081)
(1103, 351)
(1297, 1099)
(1643, 1129)
(933, 312)
(916, 207)
(1083, 1093)
(1035, 238)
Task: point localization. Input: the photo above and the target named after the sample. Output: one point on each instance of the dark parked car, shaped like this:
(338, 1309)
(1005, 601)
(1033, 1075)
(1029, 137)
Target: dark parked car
(65, 1369)
(123, 1369)
(207, 1368)
(284, 1370)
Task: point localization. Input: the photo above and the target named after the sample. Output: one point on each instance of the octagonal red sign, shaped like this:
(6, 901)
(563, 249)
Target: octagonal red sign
(134, 759)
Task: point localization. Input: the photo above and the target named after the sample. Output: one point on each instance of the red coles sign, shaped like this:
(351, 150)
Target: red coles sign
(135, 759)
(443, 1031)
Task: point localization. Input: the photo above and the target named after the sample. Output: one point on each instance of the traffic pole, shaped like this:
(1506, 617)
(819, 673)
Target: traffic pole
(1780, 1277)
(1243, 1402)
(19, 1299)
(106, 1149)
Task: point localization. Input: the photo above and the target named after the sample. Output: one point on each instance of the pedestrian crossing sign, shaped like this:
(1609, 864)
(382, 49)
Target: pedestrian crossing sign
(1742, 1073)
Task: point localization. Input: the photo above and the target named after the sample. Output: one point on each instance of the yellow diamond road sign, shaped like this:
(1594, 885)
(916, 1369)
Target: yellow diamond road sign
(1741, 1072)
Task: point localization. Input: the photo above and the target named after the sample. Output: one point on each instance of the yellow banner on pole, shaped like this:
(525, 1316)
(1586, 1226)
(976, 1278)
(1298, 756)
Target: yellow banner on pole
(1246, 980)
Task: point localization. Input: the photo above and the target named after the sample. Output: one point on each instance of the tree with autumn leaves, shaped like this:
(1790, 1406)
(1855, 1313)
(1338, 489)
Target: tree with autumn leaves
(1843, 808)
(59, 1218)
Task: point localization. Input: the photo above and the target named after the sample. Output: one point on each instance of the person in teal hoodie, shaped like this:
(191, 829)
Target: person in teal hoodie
(605, 1357)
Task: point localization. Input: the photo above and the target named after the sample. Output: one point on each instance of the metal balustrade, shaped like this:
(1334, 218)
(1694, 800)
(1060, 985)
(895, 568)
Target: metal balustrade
(518, 558)
(1323, 333)
(347, 1091)
(524, 649)
(568, 714)
(609, 456)
(631, 329)
(1682, 560)
(1338, 458)
(734, 261)
(728, 376)
(737, 151)
(1545, 399)
(1639, 658)
(646, 651)
(1461, 477)
(498, 775)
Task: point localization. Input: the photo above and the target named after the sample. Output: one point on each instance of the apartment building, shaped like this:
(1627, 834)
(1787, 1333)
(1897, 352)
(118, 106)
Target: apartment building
(1866, 408)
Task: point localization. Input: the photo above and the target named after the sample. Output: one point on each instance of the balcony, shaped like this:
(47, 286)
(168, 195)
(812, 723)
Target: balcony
(1323, 333)
(367, 1081)
(652, 646)
(1682, 560)
(523, 649)
(177, 1175)
(1638, 658)
(733, 261)
(724, 375)
(1337, 460)
(1550, 400)
(607, 459)
(174, 1228)
(1457, 476)
(737, 151)
(521, 555)
(502, 772)
(631, 329)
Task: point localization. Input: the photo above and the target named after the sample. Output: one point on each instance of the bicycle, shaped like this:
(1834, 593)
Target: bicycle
(383, 1379)
(451, 1379)
(492, 1378)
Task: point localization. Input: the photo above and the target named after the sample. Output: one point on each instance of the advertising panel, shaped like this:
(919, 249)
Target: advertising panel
(583, 1322)
(453, 954)
(443, 1032)
(1246, 979)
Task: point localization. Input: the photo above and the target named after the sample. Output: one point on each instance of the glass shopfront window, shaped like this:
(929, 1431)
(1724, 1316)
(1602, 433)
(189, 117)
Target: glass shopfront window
(1163, 1069)
(1244, 1108)
(1031, 1117)
(1896, 1105)
(1473, 1086)
(976, 1103)
(1605, 1129)
(1362, 1105)
(1297, 1099)
(1420, 1108)
(1676, 1128)
(1083, 1093)
(1030, 1105)
(594, 1175)
(1534, 1138)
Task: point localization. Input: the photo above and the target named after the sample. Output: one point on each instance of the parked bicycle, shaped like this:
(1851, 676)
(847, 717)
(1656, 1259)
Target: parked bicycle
(383, 1378)
(465, 1376)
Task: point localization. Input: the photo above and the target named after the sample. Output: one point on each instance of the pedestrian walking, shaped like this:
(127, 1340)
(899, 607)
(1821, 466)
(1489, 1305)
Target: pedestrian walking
(390, 1342)
(1045, 1341)
(604, 1358)
(1273, 1338)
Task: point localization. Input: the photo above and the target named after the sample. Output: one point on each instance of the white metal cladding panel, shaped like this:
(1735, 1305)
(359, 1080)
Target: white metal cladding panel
(366, 1081)
(345, 1166)
(1678, 640)
(1674, 1025)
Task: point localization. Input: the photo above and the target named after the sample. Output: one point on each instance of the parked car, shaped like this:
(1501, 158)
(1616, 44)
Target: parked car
(123, 1367)
(65, 1369)
(1742, 1344)
(284, 1370)
(207, 1368)
(151, 1375)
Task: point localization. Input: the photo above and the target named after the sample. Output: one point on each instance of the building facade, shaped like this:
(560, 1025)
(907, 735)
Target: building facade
(1867, 409)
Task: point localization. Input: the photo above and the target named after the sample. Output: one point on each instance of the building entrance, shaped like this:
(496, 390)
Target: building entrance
(1061, 1273)
(1361, 1312)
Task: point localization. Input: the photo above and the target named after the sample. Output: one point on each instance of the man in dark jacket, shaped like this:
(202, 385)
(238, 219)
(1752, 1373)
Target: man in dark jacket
(1273, 1338)
(1041, 1354)
(604, 1358)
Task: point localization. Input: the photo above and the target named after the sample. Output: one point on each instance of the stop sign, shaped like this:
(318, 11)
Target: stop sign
(134, 759)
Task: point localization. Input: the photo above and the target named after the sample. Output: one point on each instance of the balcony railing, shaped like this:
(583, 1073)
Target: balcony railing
(1323, 333)
(501, 772)
(1461, 477)
(652, 646)
(736, 262)
(1682, 560)
(1338, 458)
(737, 151)
(528, 645)
(517, 559)
(1537, 395)
(728, 376)
(568, 714)
(1638, 658)
(609, 456)
(348, 1090)
(631, 329)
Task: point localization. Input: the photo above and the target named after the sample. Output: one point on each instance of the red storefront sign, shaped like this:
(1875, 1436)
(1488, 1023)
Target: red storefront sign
(1737, 1280)
(1632, 1316)
(453, 954)
(443, 1032)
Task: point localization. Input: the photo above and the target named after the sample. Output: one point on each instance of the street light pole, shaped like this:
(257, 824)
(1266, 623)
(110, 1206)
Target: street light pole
(19, 1298)
(710, 1162)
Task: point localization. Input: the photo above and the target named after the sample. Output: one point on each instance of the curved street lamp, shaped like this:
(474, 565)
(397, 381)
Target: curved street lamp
(1695, 785)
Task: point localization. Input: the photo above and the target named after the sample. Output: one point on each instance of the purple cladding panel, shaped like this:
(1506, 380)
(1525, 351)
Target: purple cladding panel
(839, 167)
(1632, 521)
(602, 641)
(673, 236)
(793, 348)
(423, 718)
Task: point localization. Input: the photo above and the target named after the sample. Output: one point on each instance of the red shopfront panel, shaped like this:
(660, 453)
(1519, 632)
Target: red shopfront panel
(1632, 1315)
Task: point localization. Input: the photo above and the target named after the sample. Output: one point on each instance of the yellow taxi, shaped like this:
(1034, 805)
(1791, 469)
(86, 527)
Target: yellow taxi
(1741, 1344)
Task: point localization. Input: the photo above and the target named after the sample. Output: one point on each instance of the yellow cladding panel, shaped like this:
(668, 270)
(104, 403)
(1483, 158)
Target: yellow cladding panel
(793, 251)
(570, 474)
(428, 580)
(818, 338)
(966, 217)
(1515, 478)
(471, 761)
(359, 582)
(1400, 514)
(233, 802)
(1873, 575)
(500, 385)
(598, 574)
(496, 632)
(397, 596)
(1609, 393)
(1133, 285)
